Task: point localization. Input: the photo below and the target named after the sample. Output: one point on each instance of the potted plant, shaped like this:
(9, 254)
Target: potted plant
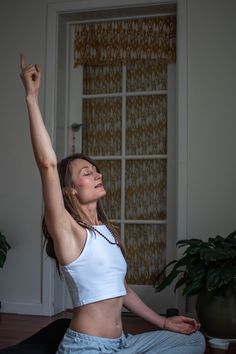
(4, 248)
(207, 269)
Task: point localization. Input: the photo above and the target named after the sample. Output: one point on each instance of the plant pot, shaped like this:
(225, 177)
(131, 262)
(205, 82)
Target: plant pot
(217, 314)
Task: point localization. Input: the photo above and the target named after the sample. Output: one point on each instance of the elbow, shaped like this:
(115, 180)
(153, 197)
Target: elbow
(46, 164)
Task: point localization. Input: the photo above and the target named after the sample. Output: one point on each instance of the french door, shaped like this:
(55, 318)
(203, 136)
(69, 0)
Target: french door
(123, 116)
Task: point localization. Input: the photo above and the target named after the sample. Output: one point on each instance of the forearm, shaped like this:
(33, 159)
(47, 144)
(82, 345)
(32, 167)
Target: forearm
(133, 303)
(180, 324)
(41, 142)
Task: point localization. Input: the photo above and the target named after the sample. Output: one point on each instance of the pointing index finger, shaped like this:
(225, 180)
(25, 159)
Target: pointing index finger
(22, 61)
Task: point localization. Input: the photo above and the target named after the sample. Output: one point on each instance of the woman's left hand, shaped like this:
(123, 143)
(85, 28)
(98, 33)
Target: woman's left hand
(30, 76)
(181, 324)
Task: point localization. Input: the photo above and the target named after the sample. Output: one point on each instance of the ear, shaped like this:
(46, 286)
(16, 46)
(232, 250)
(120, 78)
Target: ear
(69, 191)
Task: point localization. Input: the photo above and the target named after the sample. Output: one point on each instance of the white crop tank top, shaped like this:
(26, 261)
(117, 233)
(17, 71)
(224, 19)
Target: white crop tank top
(99, 272)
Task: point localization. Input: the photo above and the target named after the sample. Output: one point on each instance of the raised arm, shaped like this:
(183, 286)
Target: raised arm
(43, 151)
(45, 156)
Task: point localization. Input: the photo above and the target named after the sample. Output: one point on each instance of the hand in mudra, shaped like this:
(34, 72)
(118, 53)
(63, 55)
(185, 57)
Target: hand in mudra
(181, 324)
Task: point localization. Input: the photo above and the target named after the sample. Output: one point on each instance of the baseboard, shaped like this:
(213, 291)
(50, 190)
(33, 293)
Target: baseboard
(22, 308)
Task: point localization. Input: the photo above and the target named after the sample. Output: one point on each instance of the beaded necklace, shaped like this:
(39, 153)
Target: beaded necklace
(117, 243)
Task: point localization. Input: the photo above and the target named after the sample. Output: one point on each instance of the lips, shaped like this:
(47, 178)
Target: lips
(100, 185)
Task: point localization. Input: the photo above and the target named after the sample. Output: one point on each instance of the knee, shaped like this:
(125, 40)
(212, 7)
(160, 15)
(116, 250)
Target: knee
(199, 342)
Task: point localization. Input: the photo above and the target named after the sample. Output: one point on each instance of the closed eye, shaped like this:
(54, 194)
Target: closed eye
(87, 173)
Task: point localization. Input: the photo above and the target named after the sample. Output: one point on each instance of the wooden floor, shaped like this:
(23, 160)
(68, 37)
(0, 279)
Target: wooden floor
(15, 328)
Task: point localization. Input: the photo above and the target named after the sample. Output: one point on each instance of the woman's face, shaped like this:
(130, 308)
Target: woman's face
(87, 181)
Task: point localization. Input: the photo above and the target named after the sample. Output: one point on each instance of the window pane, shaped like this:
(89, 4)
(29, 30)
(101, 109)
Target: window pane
(145, 189)
(111, 171)
(102, 79)
(146, 77)
(146, 252)
(146, 125)
(102, 130)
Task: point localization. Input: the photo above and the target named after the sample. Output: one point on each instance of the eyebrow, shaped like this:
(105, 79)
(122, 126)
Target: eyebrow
(87, 166)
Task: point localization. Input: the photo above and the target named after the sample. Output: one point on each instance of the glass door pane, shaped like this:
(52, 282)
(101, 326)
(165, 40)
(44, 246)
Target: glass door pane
(111, 171)
(145, 190)
(146, 252)
(146, 125)
(102, 126)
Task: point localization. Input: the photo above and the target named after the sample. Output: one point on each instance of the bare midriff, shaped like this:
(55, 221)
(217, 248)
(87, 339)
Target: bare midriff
(100, 319)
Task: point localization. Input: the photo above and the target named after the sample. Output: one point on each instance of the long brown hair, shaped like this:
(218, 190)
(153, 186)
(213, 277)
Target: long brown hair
(71, 203)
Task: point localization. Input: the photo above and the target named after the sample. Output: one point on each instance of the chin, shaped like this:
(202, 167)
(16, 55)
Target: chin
(104, 192)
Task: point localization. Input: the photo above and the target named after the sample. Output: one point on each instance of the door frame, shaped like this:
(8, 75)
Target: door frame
(51, 284)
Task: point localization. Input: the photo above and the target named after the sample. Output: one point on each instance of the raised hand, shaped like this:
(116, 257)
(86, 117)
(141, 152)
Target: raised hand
(30, 76)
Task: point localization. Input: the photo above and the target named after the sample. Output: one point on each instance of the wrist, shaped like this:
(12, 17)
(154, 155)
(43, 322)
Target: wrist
(164, 323)
(31, 98)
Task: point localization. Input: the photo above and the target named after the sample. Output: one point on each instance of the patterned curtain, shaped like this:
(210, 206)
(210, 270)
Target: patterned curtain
(126, 41)
(146, 252)
(146, 46)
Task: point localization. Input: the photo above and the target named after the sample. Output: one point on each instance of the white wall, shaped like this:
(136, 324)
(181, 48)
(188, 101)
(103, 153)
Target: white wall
(211, 137)
(23, 28)
(211, 117)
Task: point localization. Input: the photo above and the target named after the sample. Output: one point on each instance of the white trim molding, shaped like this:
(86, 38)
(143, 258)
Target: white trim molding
(22, 308)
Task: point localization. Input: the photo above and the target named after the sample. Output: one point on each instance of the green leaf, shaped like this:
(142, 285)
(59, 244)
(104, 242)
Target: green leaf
(213, 254)
(194, 287)
(179, 283)
(4, 247)
(231, 237)
(211, 264)
(167, 280)
(220, 276)
(190, 242)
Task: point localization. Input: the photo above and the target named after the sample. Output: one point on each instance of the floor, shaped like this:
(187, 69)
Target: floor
(15, 328)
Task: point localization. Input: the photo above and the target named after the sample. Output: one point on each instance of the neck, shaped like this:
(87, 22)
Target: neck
(89, 215)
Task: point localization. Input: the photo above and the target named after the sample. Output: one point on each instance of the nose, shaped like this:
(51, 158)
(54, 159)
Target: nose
(97, 175)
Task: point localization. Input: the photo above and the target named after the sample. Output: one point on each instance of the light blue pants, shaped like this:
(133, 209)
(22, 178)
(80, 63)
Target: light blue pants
(156, 342)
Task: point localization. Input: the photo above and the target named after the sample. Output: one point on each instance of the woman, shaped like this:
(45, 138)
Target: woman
(90, 256)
